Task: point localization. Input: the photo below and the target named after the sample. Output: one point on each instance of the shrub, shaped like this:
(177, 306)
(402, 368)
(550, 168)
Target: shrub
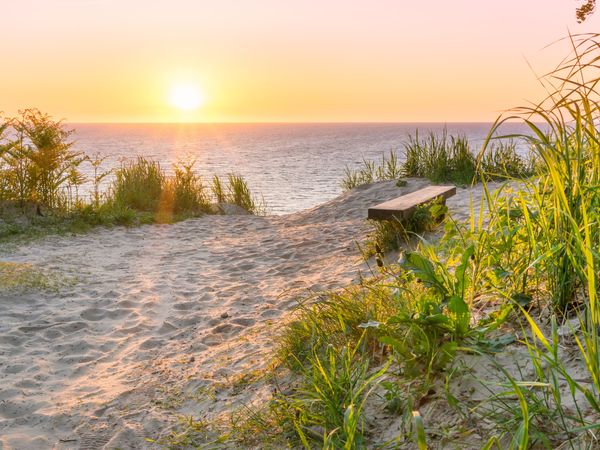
(236, 192)
(39, 165)
(188, 191)
(388, 235)
(40, 179)
(441, 158)
(218, 189)
(388, 169)
(138, 184)
(501, 161)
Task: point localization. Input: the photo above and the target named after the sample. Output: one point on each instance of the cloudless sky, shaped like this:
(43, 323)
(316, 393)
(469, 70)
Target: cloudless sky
(279, 60)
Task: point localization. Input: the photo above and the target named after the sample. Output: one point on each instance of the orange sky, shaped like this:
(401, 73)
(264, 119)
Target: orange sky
(278, 60)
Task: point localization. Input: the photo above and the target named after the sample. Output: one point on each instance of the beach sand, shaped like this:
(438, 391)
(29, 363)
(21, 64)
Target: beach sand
(153, 313)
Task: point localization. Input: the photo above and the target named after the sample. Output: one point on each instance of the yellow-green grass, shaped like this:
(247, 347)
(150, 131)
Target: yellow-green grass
(21, 276)
(40, 177)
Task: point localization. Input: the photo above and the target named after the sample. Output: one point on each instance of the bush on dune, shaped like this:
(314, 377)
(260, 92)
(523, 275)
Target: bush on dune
(443, 158)
(529, 265)
(40, 169)
(138, 184)
(38, 163)
(388, 169)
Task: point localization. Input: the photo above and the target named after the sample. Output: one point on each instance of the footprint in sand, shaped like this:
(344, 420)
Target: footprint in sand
(12, 410)
(244, 321)
(167, 328)
(270, 313)
(93, 314)
(72, 327)
(151, 343)
(15, 368)
(184, 306)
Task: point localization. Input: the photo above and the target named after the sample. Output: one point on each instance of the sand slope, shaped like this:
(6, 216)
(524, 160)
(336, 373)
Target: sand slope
(160, 309)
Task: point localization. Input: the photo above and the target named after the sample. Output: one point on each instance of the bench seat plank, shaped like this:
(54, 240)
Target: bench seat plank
(401, 208)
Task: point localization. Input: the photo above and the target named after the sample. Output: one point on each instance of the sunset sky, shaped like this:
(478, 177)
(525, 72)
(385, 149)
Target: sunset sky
(278, 60)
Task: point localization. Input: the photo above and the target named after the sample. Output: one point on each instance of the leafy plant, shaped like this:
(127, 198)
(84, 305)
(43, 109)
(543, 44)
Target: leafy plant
(240, 195)
(388, 169)
(388, 235)
(138, 184)
(500, 161)
(39, 162)
(332, 397)
(441, 158)
(40, 181)
(186, 190)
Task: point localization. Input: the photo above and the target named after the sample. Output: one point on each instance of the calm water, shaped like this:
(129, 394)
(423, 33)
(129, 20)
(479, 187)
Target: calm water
(295, 166)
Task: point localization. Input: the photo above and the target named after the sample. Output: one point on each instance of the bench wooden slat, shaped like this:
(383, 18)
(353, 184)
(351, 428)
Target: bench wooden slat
(401, 208)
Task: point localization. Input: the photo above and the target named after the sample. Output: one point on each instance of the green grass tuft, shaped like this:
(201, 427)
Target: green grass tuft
(25, 277)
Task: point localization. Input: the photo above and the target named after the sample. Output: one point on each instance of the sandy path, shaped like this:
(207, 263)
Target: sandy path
(157, 308)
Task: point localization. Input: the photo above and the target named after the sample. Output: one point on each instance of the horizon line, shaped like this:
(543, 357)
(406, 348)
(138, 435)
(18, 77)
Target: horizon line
(279, 122)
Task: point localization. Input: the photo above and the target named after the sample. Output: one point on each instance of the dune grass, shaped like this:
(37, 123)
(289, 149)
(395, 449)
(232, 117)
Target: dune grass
(24, 277)
(388, 169)
(443, 158)
(236, 192)
(138, 184)
(523, 273)
(390, 235)
(561, 213)
(40, 180)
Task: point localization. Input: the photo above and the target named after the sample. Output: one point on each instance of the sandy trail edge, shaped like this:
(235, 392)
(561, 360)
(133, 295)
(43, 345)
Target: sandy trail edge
(159, 310)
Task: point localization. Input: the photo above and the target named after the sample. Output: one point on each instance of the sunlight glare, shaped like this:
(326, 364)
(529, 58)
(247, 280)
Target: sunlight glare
(185, 97)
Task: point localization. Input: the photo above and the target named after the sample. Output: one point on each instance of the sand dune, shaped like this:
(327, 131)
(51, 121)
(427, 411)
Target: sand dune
(162, 309)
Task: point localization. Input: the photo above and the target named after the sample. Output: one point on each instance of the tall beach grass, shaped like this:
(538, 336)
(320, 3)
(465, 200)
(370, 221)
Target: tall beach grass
(443, 158)
(41, 184)
(522, 273)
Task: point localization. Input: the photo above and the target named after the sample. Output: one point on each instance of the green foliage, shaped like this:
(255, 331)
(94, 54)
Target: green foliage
(432, 313)
(236, 192)
(335, 320)
(141, 185)
(40, 178)
(538, 236)
(23, 277)
(388, 169)
(551, 223)
(560, 206)
(421, 441)
(388, 235)
(240, 195)
(218, 190)
(184, 192)
(328, 405)
(441, 158)
(532, 242)
(451, 286)
(38, 164)
(99, 175)
(501, 161)
(385, 236)
(138, 184)
(418, 319)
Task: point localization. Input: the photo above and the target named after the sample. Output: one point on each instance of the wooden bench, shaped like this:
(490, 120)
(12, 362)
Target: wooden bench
(403, 207)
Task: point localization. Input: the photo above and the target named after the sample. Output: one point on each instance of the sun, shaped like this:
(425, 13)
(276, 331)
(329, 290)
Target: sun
(185, 97)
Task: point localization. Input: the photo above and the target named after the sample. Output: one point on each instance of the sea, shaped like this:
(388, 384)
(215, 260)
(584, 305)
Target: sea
(292, 166)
